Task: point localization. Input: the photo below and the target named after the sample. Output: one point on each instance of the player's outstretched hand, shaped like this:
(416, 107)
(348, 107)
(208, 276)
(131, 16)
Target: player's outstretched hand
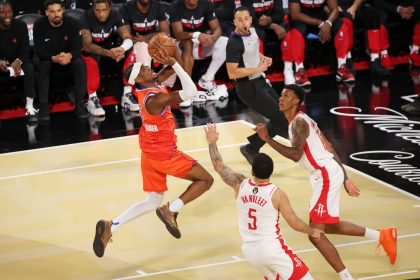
(316, 233)
(262, 131)
(163, 57)
(351, 188)
(212, 135)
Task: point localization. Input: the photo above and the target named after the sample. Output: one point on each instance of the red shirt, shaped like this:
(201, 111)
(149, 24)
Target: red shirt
(157, 134)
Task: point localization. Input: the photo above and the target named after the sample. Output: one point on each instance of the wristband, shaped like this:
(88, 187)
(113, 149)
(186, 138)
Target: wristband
(322, 23)
(126, 44)
(195, 35)
(11, 71)
(329, 22)
(398, 9)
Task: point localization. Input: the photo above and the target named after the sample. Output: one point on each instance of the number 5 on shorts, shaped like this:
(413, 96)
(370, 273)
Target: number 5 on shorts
(253, 225)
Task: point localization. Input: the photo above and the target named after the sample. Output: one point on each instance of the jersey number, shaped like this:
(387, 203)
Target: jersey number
(253, 225)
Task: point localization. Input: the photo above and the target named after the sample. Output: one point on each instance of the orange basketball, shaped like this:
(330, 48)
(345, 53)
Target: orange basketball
(162, 41)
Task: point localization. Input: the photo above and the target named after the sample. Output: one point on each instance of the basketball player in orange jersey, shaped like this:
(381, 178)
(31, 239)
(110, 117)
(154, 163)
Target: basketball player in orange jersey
(160, 156)
(316, 154)
(259, 203)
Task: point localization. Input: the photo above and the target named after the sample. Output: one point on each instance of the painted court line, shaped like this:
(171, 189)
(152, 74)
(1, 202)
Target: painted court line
(417, 206)
(238, 259)
(101, 164)
(388, 275)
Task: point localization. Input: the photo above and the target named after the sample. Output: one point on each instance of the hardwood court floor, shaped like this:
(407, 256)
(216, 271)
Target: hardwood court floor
(51, 198)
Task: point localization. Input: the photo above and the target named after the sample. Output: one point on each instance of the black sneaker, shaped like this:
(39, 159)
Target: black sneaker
(43, 114)
(248, 153)
(80, 112)
(376, 68)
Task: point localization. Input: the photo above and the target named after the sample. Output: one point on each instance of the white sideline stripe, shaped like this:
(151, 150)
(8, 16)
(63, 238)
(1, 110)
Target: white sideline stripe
(141, 272)
(417, 206)
(101, 140)
(190, 151)
(387, 275)
(101, 164)
(237, 259)
(408, 97)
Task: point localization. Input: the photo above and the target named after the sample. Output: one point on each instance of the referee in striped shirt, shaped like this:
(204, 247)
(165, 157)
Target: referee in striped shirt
(246, 65)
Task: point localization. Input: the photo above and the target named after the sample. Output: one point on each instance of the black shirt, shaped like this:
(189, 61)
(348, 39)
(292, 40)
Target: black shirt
(50, 41)
(244, 50)
(224, 9)
(146, 23)
(193, 20)
(271, 8)
(314, 8)
(104, 34)
(14, 42)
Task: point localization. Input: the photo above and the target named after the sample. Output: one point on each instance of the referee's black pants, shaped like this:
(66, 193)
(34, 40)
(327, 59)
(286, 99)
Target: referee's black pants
(261, 97)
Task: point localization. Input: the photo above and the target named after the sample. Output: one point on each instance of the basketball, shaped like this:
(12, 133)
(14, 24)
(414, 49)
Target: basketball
(162, 41)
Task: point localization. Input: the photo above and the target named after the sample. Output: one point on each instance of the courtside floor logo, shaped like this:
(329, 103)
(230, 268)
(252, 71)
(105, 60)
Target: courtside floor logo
(394, 123)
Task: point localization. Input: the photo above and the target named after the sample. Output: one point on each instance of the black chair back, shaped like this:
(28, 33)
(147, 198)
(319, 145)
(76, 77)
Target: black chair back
(29, 20)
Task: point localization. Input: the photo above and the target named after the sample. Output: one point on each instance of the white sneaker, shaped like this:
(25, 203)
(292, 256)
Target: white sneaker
(186, 103)
(94, 107)
(31, 114)
(206, 85)
(201, 96)
(129, 102)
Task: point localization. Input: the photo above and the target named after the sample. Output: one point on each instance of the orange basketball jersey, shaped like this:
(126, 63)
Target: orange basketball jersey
(157, 134)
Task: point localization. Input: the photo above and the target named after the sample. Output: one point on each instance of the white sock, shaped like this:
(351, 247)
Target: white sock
(289, 77)
(150, 203)
(92, 94)
(373, 56)
(218, 58)
(127, 89)
(349, 55)
(345, 275)
(372, 234)
(384, 52)
(415, 49)
(29, 102)
(288, 66)
(298, 65)
(176, 205)
(341, 61)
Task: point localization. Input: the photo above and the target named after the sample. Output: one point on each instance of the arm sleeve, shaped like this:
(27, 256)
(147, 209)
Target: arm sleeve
(278, 13)
(383, 4)
(23, 40)
(74, 38)
(39, 43)
(234, 50)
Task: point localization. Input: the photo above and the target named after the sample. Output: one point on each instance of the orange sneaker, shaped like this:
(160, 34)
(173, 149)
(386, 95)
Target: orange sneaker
(388, 240)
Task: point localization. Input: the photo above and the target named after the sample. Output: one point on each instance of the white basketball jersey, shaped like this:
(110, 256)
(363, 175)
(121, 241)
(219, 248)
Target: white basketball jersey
(258, 219)
(315, 155)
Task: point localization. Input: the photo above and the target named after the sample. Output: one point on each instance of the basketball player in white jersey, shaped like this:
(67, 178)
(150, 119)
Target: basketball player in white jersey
(316, 154)
(259, 203)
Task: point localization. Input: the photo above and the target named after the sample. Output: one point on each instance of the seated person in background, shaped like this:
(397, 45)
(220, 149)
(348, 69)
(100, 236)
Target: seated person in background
(196, 27)
(14, 55)
(267, 18)
(224, 13)
(363, 15)
(100, 33)
(58, 44)
(310, 17)
(406, 12)
(21, 7)
(146, 18)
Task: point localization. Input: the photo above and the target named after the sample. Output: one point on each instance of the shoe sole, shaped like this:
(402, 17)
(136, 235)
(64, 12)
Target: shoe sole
(98, 246)
(174, 232)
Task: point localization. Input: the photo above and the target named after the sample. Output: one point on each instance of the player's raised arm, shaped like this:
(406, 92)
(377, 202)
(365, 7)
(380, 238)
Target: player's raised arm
(229, 176)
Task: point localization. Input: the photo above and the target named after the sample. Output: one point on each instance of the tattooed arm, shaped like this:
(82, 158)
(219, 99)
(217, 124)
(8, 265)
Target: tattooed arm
(300, 132)
(228, 176)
